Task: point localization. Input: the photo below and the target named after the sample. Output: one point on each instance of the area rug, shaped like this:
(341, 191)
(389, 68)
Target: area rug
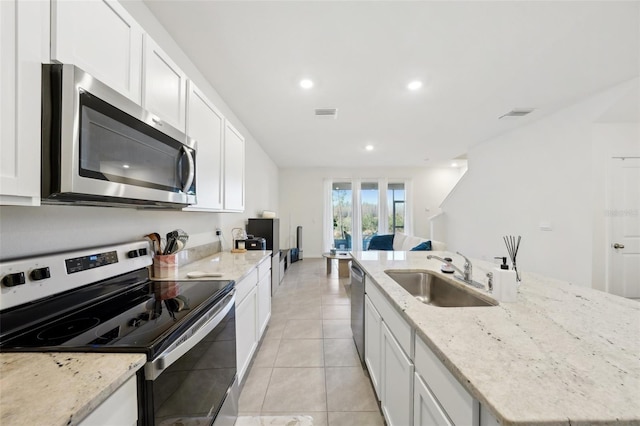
(274, 421)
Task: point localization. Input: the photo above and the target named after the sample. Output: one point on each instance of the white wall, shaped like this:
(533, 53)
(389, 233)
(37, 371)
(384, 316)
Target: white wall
(302, 197)
(35, 230)
(543, 172)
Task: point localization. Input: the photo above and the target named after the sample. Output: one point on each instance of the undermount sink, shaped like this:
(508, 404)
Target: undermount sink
(433, 289)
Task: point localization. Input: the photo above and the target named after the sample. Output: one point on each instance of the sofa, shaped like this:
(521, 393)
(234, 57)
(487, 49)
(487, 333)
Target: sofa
(403, 242)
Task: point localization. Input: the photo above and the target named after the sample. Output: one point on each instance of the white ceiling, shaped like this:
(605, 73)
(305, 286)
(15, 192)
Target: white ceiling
(478, 60)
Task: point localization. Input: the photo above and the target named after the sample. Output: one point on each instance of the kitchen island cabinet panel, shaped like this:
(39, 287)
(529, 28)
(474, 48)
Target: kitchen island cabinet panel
(372, 342)
(101, 38)
(24, 39)
(426, 410)
(396, 381)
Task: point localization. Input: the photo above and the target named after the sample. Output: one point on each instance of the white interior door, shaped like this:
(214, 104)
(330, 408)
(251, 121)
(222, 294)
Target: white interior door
(624, 241)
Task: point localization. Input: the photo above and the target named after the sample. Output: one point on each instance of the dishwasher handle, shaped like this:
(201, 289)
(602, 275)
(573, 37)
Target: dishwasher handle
(357, 272)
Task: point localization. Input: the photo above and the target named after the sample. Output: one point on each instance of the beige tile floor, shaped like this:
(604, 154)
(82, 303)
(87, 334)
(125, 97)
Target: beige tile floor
(307, 364)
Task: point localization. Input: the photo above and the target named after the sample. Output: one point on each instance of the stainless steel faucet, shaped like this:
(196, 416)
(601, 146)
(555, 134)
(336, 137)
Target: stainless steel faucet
(466, 275)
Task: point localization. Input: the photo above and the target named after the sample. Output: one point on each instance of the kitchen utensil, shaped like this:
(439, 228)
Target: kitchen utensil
(155, 240)
(173, 238)
(202, 274)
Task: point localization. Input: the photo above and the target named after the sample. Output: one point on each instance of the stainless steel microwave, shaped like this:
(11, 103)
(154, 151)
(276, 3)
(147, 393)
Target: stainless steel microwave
(100, 148)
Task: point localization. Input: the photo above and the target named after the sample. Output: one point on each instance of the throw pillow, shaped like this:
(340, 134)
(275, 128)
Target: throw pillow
(425, 246)
(398, 240)
(381, 242)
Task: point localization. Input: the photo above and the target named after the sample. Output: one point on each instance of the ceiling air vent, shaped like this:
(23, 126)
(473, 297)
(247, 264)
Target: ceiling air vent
(326, 113)
(516, 113)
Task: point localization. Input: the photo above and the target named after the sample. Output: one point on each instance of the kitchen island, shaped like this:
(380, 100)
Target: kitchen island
(561, 354)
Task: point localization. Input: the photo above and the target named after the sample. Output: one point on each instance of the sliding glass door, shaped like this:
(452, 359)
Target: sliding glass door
(355, 211)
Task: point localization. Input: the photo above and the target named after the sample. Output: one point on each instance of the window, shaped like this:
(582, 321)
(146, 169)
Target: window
(369, 211)
(396, 207)
(342, 201)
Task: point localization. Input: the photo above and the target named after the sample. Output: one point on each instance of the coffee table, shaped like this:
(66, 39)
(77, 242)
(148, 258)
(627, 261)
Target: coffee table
(343, 263)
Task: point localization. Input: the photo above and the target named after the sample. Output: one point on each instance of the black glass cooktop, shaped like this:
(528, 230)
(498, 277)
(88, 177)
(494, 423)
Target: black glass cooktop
(128, 313)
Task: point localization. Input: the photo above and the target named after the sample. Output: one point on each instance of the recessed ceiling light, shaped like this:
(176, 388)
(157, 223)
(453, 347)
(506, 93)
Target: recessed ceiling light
(414, 85)
(306, 83)
(125, 166)
(369, 147)
(454, 164)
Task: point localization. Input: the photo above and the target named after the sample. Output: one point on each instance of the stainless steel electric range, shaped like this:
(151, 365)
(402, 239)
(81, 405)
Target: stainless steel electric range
(102, 300)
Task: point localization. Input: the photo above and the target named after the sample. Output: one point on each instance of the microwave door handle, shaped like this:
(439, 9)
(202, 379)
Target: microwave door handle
(187, 185)
(154, 369)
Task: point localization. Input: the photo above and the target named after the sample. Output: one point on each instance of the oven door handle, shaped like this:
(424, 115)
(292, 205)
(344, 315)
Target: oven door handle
(154, 368)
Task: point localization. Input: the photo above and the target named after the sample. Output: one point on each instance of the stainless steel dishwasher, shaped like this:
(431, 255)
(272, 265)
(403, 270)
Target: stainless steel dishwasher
(357, 308)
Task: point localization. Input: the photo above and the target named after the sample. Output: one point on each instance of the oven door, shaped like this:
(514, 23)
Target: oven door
(101, 148)
(194, 381)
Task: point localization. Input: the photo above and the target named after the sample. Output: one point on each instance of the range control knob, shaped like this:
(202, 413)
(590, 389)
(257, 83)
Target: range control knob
(14, 279)
(40, 274)
(132, 254)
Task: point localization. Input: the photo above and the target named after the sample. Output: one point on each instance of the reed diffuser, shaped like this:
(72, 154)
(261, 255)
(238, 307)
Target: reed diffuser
(513, 245)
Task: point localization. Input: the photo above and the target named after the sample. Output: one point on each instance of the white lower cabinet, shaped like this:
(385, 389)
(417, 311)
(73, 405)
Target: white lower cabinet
(417, 391)
(253, 310)
(246, 331)
(449, 395)
(426, 410)
(120, 408)
(397, 381)
(372, 336)
(390, 368)
(264, 296)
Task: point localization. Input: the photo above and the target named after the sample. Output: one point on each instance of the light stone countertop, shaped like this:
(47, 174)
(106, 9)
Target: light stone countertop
(232, 266)
(63, 388)
(59, 388)
(560, 355)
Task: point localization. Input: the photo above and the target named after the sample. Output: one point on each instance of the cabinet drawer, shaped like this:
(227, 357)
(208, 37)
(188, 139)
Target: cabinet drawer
(264, 269)
(398, 326)
(120, 408)
(457, 402)
(245, 285)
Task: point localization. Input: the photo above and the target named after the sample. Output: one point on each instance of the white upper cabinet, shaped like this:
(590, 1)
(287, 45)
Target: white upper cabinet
(206, 124)
(23, 48)
(233, 169)
(100, 37)
(164, 86)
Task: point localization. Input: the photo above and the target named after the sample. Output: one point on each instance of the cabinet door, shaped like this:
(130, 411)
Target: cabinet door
(246, 331)
(396, 381)
(23, 48)
(164, 86)
(426, 410)
(205, 124)
(233, 169)
(264, 303)
(372, 342)
(100, 37)
(120, 408)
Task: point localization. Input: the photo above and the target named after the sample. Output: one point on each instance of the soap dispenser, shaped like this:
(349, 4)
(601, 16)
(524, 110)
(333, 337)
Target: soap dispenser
(504, 282)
